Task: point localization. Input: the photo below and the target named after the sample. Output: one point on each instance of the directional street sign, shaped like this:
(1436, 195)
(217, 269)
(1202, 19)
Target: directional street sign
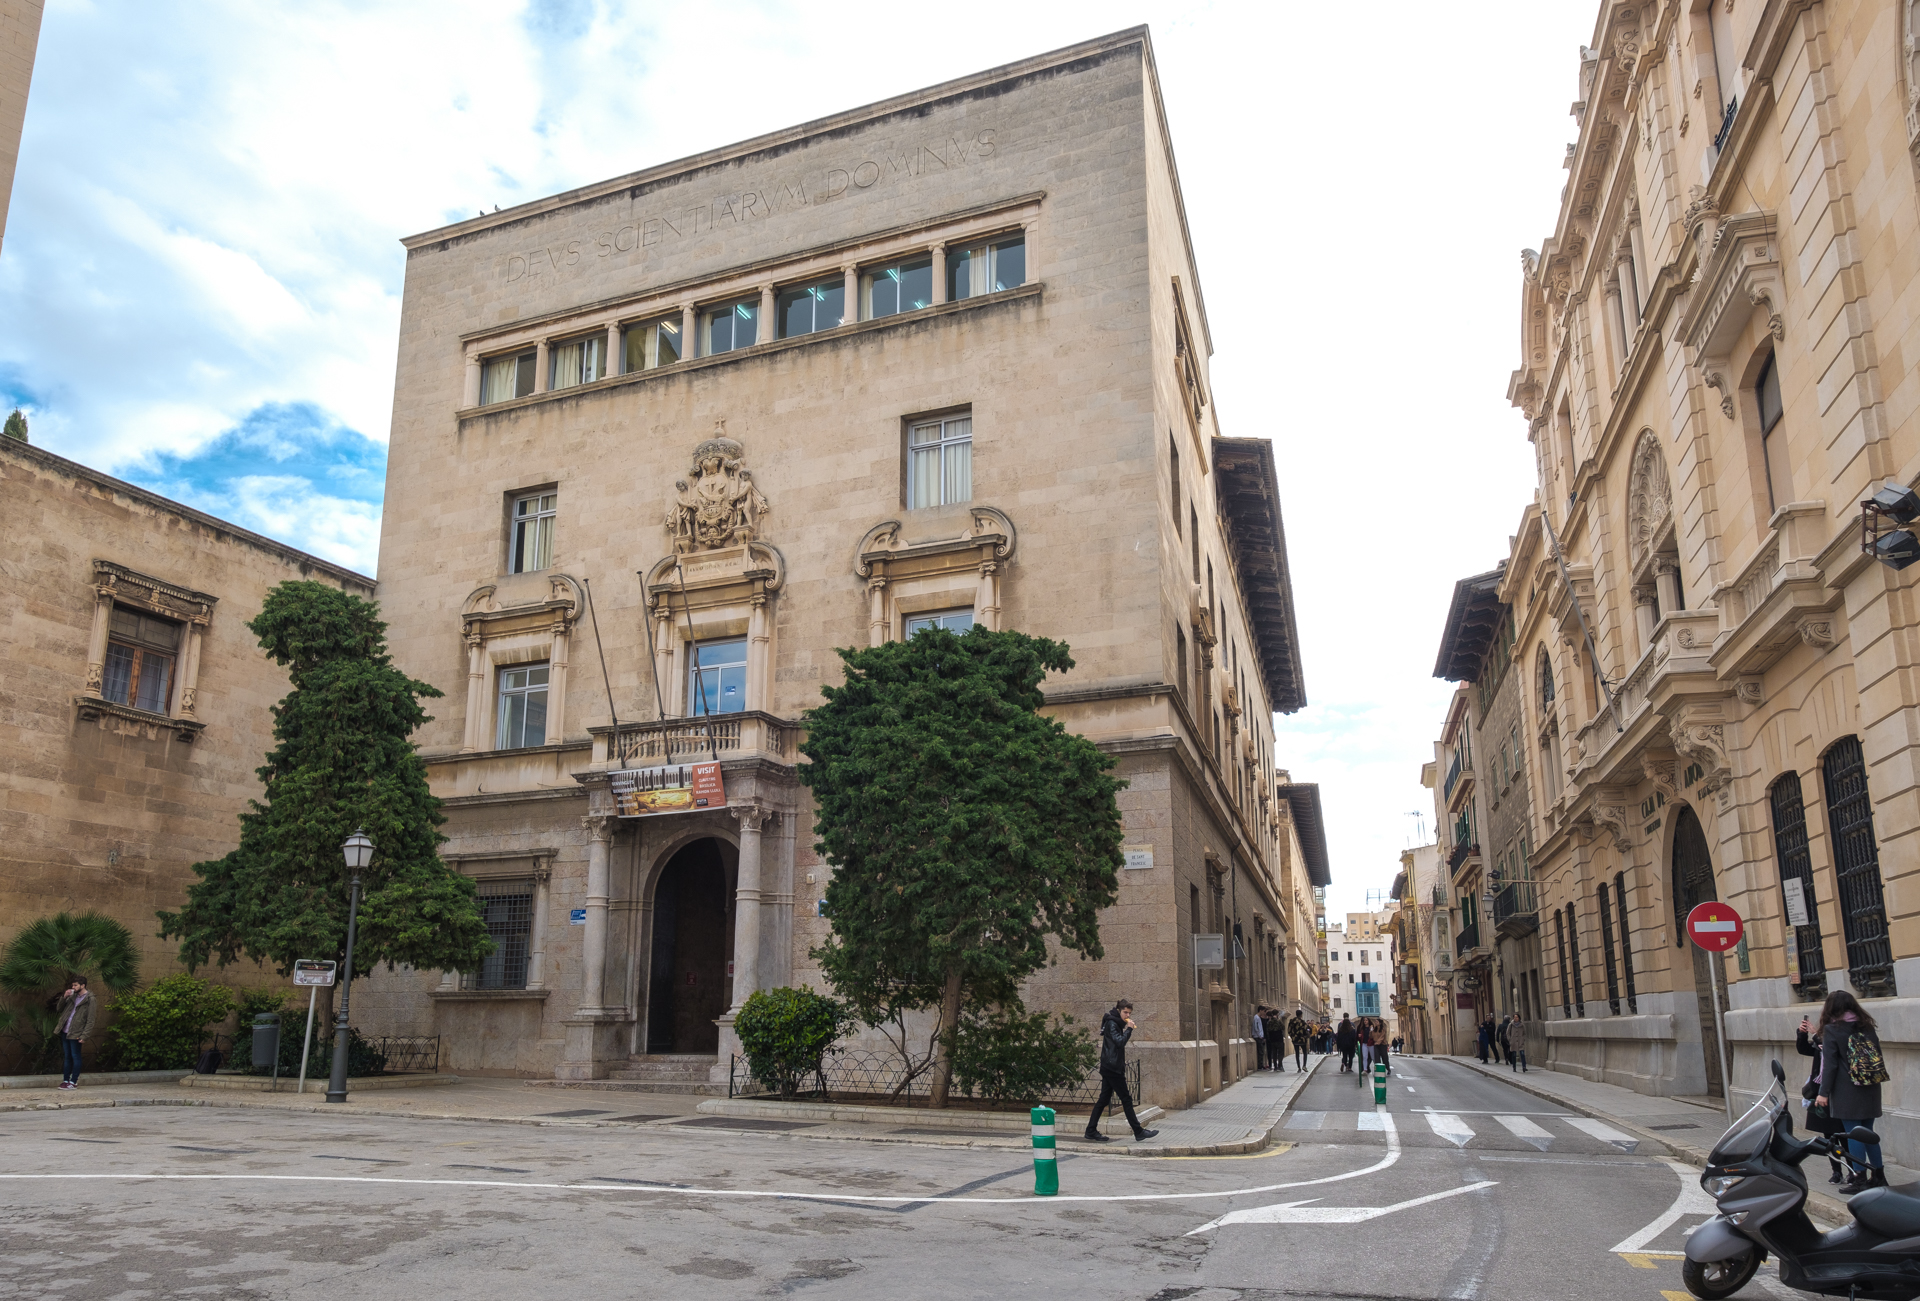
(1714, 927)
(307, 971)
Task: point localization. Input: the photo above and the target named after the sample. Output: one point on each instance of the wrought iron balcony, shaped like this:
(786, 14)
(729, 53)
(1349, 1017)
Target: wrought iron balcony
(1467, 940)
(1516, 910)
(1461, 853)
(1453, 774)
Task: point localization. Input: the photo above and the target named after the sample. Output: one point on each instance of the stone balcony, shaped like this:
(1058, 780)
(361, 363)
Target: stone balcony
(1677, 666)
(749, 735)
(1780, 597)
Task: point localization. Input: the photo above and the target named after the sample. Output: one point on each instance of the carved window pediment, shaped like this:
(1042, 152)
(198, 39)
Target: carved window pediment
(1739, 275)
(905, 574)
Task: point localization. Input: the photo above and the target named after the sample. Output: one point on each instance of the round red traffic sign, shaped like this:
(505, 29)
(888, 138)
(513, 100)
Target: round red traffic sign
(1714, 927)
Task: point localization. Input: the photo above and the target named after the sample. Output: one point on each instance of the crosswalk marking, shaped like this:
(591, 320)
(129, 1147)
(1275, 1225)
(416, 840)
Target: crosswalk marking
(1451, 1128)
(1306, 1119)
(1605, 1133)
(1522, 1128)
(1373, 1120)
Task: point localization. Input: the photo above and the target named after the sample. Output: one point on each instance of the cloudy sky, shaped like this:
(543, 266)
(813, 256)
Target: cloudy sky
(200, 286)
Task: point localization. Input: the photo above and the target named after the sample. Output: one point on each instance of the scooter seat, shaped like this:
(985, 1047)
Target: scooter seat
(1887, 1213)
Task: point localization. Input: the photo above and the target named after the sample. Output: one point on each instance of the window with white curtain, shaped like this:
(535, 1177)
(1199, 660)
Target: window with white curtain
(654, 343)
(533, 518)
(502, 378)
(986, 268)
(577, 361)
(940, 462)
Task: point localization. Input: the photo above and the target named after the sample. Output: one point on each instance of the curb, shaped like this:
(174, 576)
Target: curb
(94, 1078)
(286, 1084)
(1820, 1204)
(1257, 1140)
(1012, 1124)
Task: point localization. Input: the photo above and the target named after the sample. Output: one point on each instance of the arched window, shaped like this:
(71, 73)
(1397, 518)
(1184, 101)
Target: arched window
(1773, 438)
(1856, 863)
(1796, 873)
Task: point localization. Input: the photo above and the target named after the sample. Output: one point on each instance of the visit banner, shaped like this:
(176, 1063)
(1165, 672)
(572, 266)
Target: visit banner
(683, 788)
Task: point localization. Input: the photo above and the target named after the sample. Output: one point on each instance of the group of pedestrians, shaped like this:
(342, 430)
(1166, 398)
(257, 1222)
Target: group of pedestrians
(1273, 1033)
(1503, 1041)
(1364, 1041)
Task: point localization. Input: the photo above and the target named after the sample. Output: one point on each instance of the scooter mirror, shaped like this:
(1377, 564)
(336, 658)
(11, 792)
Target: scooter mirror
(1779, 1074)
(1861, 1134)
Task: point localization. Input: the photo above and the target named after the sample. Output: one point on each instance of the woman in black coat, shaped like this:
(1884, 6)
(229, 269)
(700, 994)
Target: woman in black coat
(1851, 1104)
(1819, 1120)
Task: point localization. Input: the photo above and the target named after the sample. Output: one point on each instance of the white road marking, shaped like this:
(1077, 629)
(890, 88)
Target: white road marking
(1302, 1213)
(1605, 1133)
(1306, 1120)
(1455, 1130)
(1376, 1121)
(1693, 1200)
(1522, 1128)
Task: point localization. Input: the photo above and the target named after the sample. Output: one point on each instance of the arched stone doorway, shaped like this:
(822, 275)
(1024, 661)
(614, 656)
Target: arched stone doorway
(692, 942)
(1693, 885)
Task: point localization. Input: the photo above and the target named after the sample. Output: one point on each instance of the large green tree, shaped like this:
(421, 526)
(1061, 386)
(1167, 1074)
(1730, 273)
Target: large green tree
(341, 761)
(966, 829)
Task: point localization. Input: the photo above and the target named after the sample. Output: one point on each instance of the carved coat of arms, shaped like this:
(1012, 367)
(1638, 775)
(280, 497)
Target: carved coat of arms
(717, 504)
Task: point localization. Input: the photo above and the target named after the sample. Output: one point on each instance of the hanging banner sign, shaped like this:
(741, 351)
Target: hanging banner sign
(684, 788)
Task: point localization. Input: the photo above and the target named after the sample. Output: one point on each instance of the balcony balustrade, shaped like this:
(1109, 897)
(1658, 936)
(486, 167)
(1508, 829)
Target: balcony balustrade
(1467, 940)
(691, 740)
(1516, 910)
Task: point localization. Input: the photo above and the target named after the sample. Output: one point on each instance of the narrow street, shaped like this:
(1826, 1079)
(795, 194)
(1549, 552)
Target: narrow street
(1460, 1187)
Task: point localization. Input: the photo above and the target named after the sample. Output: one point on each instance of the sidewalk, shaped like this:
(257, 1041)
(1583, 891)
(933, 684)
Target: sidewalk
(1682, 1128)
(1239, 1119)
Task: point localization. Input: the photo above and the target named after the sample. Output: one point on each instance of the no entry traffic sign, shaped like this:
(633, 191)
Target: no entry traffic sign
(1714, 927)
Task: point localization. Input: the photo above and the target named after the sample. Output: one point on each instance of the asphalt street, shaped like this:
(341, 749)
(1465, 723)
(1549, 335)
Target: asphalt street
(1461, 1186)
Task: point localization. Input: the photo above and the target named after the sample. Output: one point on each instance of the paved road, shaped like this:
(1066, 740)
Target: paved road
(1463, 1187)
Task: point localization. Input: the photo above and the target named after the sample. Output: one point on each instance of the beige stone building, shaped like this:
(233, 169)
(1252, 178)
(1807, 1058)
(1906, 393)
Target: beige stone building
(1718, 342)
(139, 705)
(19, 42)
(938, 360)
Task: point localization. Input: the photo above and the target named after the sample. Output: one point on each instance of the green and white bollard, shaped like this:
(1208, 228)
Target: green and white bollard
(1379, 1082)
(1046, 1169)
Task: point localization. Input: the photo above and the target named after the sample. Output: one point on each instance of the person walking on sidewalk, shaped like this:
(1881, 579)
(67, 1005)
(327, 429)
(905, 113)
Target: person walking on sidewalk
(1483, 1040)
(1852, 1068)
(1503, 1054)
(1344, 1040)
(1819, 1119)
(1116, 1027)
(1276, 1041)
(1297, 1031)
(1381, 1055)
(1259, 1038)
(74, 1016)
(1517, 1044)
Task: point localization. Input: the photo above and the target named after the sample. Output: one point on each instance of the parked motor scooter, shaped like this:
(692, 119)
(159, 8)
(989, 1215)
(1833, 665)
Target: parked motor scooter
(1754, 1177)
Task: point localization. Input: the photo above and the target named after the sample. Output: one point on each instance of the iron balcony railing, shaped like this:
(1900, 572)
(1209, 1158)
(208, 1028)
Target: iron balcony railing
(1726, 123)
(1516, 908)
(1461, 853)
(1439, 896)
(1453, 774)
(1468, 939)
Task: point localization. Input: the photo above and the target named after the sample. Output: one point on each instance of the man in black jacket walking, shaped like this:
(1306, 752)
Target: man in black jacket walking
(1346, 1039)
(1116, 1027)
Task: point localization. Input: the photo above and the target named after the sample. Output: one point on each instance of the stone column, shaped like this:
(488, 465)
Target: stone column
(1615, 328)
(470, 392)
(612, 366)
(1644, 616)
(939, 273)
(97, 640)
(540, 367)
(852, 274)
(476, 694)
(746, 905)
(1027, 233)
(557, 683)
(663, 649)
(877, 620)
(1637, 249)
(986, 603)
(768, 329)
(1666, 578)
(759, 634)
(689, 332)
(537, 948)
(1627, 279)
(189, 671)
(594, 946)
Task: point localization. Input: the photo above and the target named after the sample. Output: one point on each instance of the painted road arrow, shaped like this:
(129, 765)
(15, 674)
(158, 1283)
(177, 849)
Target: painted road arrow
(1306, 1213)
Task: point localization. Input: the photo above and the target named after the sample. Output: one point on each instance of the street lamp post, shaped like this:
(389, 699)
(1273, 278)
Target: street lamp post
(358, 851)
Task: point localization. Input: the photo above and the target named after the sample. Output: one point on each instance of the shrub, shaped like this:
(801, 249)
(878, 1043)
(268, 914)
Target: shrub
(785, 1032)
(162, 1028)
(1007, 1055)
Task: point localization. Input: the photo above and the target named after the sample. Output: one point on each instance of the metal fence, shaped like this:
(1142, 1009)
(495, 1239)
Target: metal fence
(858, 1075)
(407, 1054)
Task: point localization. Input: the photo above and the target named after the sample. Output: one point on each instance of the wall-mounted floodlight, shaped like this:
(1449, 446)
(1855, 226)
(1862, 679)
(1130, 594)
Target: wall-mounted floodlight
(1894, 504)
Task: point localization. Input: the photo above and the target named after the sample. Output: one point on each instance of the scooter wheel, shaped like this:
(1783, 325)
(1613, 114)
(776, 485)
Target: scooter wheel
(1712, 1280)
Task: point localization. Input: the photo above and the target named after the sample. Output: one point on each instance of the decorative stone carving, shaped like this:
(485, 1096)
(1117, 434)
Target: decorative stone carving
(1649, 495)
(1910, 69)
(1659, 769)
(1748, 690)
(717, 505)
(1626, 41)
(1612, 816)
(1718, 382)
(1817, 632)
(1702, 738)
(1761, 296)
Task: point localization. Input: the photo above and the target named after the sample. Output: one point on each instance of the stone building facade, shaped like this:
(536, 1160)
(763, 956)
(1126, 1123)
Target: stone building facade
(139, 705)
(942, 359)
(1717, 344)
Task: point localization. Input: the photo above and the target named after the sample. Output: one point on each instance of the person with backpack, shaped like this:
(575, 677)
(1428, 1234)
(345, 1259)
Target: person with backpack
(1276, 1041)
(74, 1016)
(1116, 1027)
(1819, 1119)
(1345, 1039)
(1852, 1069)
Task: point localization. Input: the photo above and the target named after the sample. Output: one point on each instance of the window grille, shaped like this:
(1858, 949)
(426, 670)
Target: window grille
(1573, 954)
(1560, 943)
(1626, 943)
(1856, 861)
(139, 667)
(1791, 853)
(507, 908)
(1606, 948)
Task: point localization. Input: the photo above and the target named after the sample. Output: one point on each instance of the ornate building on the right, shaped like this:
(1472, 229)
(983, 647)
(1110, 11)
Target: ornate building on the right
(1720, 346)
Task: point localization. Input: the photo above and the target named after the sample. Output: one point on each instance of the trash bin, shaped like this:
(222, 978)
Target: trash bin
(266, 1041)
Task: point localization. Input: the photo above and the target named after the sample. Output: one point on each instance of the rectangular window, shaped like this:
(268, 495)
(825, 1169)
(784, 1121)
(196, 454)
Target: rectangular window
(506, 377)
(140, 660)
(954, 621)
(940, 462)
(888, 291)
(986, 268)
(507, 909)
(1573, 959)
(808, 309)
(533, 518)
(731, 326)
(1626, 941)
(717, 677)
(523, 707)
(1605, 903)
(577, 361)
(1773, 439)
(653, 343)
